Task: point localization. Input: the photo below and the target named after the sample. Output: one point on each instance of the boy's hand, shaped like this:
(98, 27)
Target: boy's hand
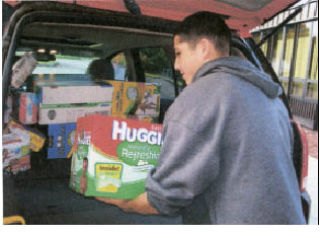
(121, 203)
(138, 205)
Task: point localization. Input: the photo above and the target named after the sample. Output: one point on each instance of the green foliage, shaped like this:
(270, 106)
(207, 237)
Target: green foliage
(154, 60)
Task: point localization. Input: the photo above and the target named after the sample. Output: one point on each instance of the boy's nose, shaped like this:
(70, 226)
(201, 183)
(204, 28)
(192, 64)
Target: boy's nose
(176, 65)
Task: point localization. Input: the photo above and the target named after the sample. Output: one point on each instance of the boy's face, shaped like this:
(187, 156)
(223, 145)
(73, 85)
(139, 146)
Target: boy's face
(188, 59)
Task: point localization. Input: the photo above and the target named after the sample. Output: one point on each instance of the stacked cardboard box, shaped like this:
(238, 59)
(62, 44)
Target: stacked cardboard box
(28, 110)
(140, 101)
(113, 156)
(60, 103)
(64, 104)
(61, 139)
(37, 139)
(16, 151)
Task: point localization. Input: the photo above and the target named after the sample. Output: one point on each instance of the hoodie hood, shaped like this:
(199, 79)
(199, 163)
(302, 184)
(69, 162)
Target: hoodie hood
(244, 70)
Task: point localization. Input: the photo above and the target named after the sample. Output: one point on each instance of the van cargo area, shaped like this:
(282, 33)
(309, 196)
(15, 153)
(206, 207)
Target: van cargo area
(42, 196)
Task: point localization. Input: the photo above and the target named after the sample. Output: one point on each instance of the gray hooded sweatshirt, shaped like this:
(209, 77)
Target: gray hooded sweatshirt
(226, 156)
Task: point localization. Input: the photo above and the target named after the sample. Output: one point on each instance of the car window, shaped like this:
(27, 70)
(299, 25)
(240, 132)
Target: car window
(119, 63)
(158, 69)
(54, 67)
(64, 65)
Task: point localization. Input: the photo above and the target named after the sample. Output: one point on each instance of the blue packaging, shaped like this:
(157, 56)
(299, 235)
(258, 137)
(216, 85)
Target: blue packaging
(61, 138)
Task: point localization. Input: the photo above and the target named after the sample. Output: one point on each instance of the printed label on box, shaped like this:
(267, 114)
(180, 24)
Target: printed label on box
(76, 94)
(69, 113)
(61, 138)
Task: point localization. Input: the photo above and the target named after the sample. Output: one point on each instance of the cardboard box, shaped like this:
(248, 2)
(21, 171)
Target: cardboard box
(135, 100)
(19, 165)
(15, 146)
(69, 113)
(37, 139)
(113, 156)
(75, 94)
(28, 109)
(61, 138)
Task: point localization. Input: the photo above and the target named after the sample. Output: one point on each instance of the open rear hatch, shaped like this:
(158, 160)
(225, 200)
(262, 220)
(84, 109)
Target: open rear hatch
(243, 15)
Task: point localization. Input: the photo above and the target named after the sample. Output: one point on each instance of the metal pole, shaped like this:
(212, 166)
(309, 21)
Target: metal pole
(292, 63)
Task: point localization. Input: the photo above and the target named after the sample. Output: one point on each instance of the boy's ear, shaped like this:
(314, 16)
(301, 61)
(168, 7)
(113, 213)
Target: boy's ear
(208, 50)
(205, 47)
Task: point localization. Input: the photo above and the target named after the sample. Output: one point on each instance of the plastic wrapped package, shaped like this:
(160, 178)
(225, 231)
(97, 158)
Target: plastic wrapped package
(16, 151)
(22, 69)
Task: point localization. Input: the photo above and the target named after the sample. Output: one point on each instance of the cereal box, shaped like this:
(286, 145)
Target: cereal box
(113, 156)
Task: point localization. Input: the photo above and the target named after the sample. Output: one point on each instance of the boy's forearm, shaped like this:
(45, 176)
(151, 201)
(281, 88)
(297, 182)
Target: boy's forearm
(141, 205)
(138, 205)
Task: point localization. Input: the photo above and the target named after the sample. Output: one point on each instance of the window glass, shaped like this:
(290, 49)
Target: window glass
(302, 50)
(297, 17)
(285, 86)
(64, 64)
(119, 65)
(297, 89)
(281, 15)
(277, 49)
(55, 68)
(256, 37)
(313, 9)
(288, 50)
(313, 74)
(158, 69)
(304, 13)
(264, 48)
(312, 91)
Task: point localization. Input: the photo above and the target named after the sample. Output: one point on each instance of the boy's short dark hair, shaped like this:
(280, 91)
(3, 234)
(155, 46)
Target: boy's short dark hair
(205, 24)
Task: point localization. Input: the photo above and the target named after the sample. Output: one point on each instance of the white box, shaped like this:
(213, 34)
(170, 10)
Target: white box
(75, 94)
(69, 113)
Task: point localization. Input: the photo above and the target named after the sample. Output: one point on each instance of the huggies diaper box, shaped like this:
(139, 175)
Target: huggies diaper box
(112, 156)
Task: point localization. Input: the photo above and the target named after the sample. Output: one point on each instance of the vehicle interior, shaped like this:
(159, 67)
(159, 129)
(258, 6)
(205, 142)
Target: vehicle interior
(64, 52)
(65, 41)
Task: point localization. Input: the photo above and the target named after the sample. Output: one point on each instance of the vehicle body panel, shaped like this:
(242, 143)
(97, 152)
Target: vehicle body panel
(242, 15)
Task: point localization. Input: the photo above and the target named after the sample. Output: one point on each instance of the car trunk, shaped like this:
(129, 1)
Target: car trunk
(42, 195)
